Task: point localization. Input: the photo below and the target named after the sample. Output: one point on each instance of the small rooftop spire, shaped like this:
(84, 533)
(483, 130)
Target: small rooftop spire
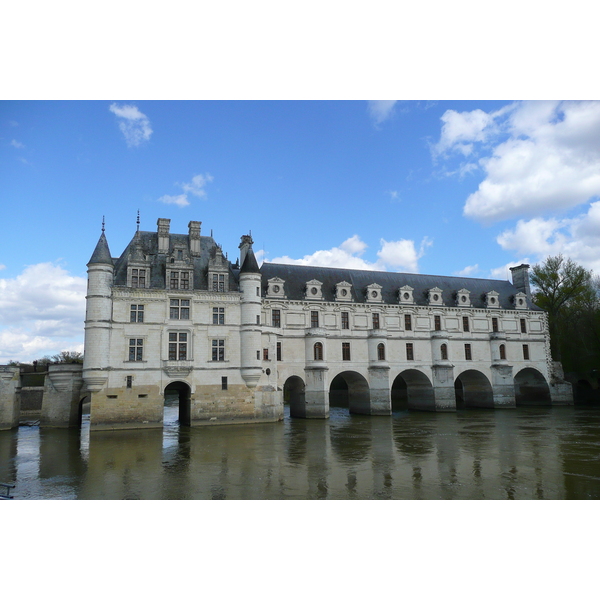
(138, 221)
(102, 223)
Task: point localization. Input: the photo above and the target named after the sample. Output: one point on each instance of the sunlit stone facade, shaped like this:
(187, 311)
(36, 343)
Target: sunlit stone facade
(174, 316)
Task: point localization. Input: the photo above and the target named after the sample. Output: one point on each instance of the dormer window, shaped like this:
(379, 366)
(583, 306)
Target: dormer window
(138, 277)
(343, 292)
(313, 290)
(405, 295)
(520, 301)
(435, 296)
(218, 282)
(275, 288)
(492, 300)
(179, 280)
(374, 293)
(463, 298)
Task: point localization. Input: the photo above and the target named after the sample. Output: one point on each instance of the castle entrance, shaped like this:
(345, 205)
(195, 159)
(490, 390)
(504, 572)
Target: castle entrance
(177, 408)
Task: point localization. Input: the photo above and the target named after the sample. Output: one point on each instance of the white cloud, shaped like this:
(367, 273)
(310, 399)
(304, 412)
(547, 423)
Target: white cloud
(18, 145)
(180, 200)
(536, 157)
(42, 311)
(196, 187)
(467, 271)
(399, 255)
(381, 110)
(134, 124)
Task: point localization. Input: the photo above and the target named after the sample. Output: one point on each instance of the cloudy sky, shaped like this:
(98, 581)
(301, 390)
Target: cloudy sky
(417, 185)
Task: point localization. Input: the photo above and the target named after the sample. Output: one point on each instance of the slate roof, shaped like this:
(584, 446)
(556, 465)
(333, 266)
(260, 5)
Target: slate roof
(101, 254)
(250, 265)
(296, 276)
(145, 243)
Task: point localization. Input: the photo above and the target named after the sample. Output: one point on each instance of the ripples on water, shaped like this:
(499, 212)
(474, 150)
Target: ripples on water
(527, 453)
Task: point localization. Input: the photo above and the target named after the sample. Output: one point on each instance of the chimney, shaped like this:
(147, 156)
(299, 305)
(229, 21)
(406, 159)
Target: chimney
(520, 279)
(163, 235)
(245, 245)
(194, 233)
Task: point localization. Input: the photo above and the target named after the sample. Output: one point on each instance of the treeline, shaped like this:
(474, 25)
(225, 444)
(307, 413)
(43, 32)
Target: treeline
(571, 296)
(41, 363)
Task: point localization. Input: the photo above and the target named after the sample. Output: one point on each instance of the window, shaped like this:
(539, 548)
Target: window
(468, 355)
(444, 351)
(138, 278)
(179, 280)
(258, 291)
(345, 350)
(276, 317)
(407, 322)
(314, 318)
(278, 350)
(494, 324)
(178, 346)
(180, 309)
(502, 352)
(137, 313)
(523, 326)
(223, 383)
(218, 350)
(218, 316)
(318, 351)
(218, 282)
(410, 353)
(465, 323)
(136, 349)
(437, 323)
(345, 320)
(375, 320)
(129, 381)
(258, 319)
(525, 352)
(380, 352)
(265, 354)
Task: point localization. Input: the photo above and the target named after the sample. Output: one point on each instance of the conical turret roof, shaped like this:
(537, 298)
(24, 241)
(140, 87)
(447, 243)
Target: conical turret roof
(250, 265)
(101, 254)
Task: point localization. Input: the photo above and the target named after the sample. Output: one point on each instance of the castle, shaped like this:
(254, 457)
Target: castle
(173, 316)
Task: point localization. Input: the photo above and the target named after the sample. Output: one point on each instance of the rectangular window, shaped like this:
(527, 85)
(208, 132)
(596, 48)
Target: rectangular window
(525, 352)
(465, 323)
(258, 319)
(177, 346)
(223, 383)
(410, 353)
(218, 316)
(468, 355)
(345, 320)
(138, 278)
(276, 317)
(179, 309)
(185, 280)
(136, 314)
(523, 326)
(174, 283)
(278, 350)
(375, 320)
(407, 322)
(218, 282)
(129, 381)
(265, 354)
(314, 318)
(218, 350)
(136, 349)
(494, 324)
(345, 351)
(437, 323)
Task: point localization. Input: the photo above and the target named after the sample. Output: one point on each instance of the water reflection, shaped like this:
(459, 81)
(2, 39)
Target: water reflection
(528, 453)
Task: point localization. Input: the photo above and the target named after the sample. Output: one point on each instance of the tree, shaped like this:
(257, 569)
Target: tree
(561, 285)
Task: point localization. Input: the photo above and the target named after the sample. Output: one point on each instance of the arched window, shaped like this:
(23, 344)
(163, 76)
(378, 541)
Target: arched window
(444, 351)
(502, 352)
(318, 351)
(381, 352)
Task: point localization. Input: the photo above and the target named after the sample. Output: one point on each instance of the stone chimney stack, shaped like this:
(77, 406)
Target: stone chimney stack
(245, 245)
(163, 235)
(520, 279)
(194, 232)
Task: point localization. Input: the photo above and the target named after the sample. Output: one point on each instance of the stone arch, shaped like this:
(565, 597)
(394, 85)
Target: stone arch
(531, 388)
(473, 389)
(294, 395)
(350, 389)
(412, 390)
(84, 409)
(182, 392)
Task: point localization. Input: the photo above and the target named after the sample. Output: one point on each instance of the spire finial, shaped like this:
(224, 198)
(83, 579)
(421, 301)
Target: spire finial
(138, 220)
(102, 223)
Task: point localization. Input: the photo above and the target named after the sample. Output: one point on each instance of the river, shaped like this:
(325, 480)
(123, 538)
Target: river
(526, 453)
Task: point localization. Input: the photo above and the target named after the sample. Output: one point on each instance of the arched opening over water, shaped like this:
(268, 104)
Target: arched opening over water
(350, 389)
(177, 408)
(83, 411)
(293, 395)
(473, 389)
(412, 390)
(531, 388)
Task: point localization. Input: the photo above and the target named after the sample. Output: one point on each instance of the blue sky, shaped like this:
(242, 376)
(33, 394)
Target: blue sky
(441, 187)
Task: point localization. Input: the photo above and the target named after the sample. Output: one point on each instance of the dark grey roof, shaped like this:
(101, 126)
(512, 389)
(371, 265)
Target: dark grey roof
(101, 254)
(296, 276)
(145, 244)
(250, 265)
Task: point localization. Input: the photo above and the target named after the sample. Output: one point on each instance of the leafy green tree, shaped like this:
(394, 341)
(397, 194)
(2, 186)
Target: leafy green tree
(562, 288)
